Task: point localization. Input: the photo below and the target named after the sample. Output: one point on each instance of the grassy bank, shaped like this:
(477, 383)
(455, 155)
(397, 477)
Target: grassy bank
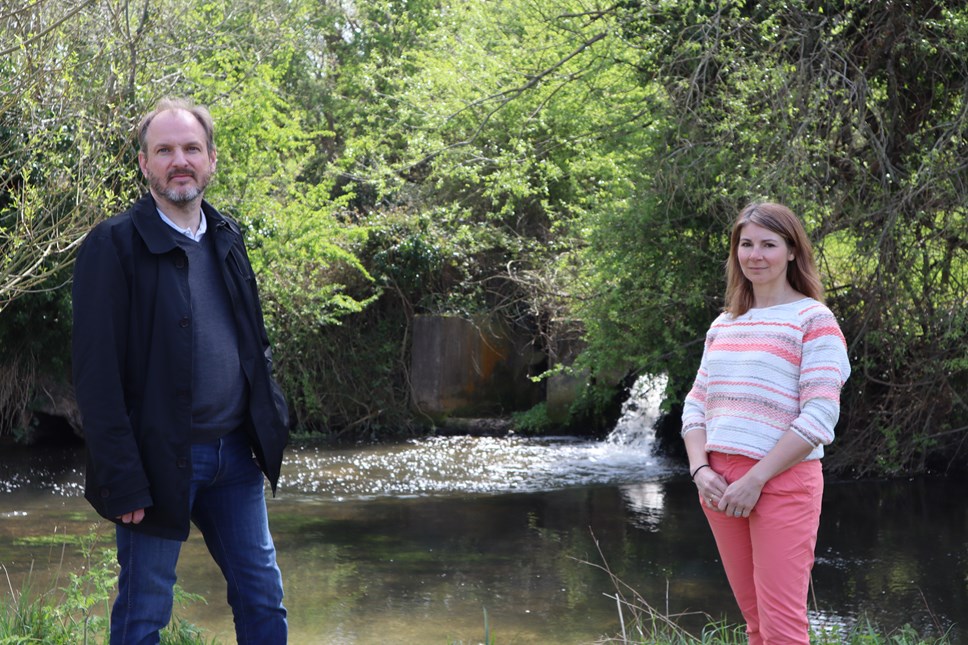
(72, 608)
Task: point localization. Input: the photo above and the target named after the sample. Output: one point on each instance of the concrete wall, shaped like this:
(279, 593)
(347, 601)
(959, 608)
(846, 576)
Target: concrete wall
(562, 390)
(471, 368)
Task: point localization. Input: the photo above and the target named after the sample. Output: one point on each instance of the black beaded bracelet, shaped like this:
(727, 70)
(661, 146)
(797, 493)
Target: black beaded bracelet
(698, 469)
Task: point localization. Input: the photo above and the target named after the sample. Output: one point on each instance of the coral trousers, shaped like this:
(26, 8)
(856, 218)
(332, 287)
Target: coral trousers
(768, 556)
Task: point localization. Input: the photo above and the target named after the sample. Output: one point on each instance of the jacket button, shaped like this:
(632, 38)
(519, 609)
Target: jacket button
(182, 462)
(105, 493)
(184, 322)
(179, 262)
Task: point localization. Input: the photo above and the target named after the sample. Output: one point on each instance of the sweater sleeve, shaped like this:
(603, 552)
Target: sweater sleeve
(824, 368)
(694, 406)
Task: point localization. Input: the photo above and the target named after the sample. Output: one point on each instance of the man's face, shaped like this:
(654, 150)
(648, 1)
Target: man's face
(176, 160)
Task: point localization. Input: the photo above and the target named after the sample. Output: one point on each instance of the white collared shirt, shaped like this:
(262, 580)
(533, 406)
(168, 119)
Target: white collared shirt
(197, 236)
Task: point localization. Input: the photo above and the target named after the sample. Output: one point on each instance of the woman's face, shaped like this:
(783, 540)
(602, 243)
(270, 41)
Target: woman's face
(763, 256)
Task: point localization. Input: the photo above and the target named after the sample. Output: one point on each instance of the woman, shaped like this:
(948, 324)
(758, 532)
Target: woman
(764, 403)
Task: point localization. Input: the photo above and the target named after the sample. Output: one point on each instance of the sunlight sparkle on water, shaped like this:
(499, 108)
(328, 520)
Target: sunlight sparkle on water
(466, 465)
(69, 483)
(487, 465)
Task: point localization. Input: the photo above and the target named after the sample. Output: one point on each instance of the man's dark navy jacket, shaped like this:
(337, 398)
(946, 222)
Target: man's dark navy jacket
(132, 365)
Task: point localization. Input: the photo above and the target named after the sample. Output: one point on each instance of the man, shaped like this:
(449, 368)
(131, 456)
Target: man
(172, 370)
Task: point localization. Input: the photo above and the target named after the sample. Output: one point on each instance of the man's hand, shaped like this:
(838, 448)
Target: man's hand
(134, 517)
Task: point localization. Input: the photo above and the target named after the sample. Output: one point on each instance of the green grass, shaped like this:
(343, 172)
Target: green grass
(75, 607)
(649, 627)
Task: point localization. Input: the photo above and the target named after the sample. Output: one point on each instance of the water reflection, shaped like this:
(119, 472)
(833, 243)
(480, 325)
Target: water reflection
(645, 503)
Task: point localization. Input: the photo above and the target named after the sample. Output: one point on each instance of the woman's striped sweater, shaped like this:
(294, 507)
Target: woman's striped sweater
(768, 371)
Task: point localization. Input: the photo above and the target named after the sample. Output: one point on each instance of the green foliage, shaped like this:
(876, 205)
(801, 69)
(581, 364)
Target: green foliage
(348, 384)
(37, 325)
(779, 100)
(863, 633)
(569, 166)
(78, 612)
(35, 332)
(60, 141)
(476, 134)
(261, 140)
(532, 422)
(72, 619)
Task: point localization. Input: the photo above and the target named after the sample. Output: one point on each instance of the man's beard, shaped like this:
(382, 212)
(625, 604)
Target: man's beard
(183, 195)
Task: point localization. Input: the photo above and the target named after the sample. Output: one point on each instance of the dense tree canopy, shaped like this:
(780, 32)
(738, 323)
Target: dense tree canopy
(571, 166)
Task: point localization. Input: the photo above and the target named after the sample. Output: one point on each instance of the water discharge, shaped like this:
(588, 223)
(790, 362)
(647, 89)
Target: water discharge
(464, 465)
(487, 465)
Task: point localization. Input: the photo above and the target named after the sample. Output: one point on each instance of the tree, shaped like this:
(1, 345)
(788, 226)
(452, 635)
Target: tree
(82, 74)
(54, 173)
(486, 135)
(854, 117)
(570, 166)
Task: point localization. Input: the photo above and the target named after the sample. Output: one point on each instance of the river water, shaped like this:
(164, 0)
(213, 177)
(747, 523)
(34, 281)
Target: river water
(435, 541)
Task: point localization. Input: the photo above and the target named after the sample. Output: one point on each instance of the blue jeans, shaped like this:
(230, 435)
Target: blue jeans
(228, 506)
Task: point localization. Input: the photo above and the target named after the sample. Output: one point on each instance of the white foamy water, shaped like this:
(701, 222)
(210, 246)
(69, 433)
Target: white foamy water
(431, 466)
(489, 465)
(636, 425)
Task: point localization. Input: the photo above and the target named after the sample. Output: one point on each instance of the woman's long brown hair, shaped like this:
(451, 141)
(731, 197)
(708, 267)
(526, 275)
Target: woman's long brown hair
(801, 272)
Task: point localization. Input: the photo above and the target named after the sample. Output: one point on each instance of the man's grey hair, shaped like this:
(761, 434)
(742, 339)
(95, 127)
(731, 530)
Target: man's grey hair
(166, 104)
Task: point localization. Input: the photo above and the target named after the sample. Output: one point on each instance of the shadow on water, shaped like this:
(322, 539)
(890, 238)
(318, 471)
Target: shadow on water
(413, 542)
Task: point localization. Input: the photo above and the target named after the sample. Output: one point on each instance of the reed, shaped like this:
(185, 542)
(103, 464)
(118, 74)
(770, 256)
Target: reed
(641, 624)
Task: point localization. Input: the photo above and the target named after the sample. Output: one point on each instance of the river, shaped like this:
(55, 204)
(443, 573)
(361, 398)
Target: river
(432, 541)
(443, 540)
